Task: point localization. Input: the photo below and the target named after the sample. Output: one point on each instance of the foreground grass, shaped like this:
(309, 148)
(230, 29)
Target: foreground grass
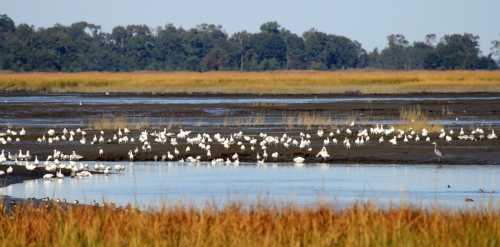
(282, 82)
(361, 225)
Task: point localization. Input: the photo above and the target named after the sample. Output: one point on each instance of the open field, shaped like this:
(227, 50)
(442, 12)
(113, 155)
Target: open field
(258, 83)
(235, 225)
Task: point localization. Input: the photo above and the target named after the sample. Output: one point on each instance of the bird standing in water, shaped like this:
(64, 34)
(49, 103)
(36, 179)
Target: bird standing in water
(437, 152)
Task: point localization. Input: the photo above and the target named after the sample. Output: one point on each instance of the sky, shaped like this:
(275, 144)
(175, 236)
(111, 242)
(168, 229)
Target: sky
(367, 21)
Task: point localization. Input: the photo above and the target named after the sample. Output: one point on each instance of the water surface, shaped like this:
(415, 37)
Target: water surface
(147, 184)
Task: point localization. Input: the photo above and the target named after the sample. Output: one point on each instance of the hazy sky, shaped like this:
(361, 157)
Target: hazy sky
(368, 21)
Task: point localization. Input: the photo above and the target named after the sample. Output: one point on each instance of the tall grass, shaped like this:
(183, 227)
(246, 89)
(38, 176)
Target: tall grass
(281, 82)
(306, 119)
(234, 225)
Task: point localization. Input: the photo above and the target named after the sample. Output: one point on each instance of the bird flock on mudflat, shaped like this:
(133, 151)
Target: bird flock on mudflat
(262, 146)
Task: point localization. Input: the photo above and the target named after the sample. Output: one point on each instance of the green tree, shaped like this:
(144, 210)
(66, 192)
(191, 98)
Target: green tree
(459, 51)
(267, 49)
(396, 55)
(215, 59)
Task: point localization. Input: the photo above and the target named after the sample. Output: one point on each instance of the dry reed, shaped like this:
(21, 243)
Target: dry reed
(412, 117)
(116, 122)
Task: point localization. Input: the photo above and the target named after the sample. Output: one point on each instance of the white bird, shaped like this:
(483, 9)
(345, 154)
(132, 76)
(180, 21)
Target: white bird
(170, 156)
(323, 154)
(30, 167)
(298, 160)
(448, 138)
(235, 156)
(10, 170)
(393, 141)
(437, 152)
(320, 133)
(48, 176)
(492, 135)
(59, 174)
(51, 132)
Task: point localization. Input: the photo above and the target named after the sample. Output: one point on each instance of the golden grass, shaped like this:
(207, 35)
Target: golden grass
(234, 225)
(414, 118)
(281, 82)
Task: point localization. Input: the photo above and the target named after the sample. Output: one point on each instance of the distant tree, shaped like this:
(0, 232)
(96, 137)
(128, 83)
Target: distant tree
(294, 50)
(241, 40)
(418, 54)
(83, 46)
(496, 50)
(316, 49)
(396, 55)
(431, 39)
(487, 63)
(323, 51)
(374, 59)
(271, 27)
(215, 59)
(459, 51)
(7, 25)
(269, 48)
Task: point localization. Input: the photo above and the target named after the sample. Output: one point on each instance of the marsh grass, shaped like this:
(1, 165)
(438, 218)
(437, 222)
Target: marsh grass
(257, 120)
(117, 122)
(413, 117)
(259, 225)
(306, 119)
(258, 83)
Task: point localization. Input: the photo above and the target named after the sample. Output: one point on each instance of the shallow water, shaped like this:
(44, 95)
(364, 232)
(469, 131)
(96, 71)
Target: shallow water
(213, 111)
(133, 100)
(153, 184)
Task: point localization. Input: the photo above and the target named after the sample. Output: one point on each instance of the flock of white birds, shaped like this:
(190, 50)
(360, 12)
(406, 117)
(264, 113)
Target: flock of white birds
(349, 137)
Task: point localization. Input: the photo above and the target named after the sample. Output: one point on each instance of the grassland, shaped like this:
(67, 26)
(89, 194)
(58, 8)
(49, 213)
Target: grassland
(234, 225)
(260, 83)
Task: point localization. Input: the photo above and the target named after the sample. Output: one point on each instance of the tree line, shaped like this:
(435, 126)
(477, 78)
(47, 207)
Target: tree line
(83, 46)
